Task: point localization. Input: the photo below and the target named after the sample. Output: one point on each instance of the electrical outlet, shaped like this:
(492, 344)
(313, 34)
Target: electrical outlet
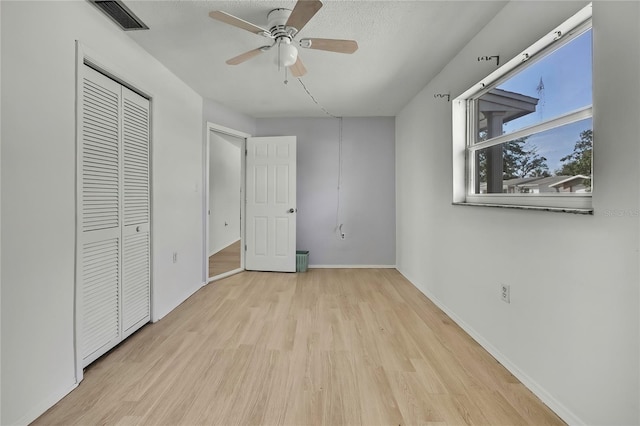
(342, 236)
(505, 293)
(175, 257)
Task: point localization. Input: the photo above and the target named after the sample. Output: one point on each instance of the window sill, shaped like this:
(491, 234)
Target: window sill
(586, 211)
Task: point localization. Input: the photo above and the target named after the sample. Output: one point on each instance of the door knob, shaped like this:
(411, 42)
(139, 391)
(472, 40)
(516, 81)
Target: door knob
(291, 211)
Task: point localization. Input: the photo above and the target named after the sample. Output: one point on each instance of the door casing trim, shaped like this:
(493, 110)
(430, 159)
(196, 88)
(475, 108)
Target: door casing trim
(217, 128)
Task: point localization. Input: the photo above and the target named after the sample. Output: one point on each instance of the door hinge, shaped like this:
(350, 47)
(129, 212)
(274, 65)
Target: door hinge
(245, 247)
(246, 152)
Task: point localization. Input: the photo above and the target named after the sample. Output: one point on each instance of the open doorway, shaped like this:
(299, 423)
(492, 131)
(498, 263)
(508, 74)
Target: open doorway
(224, 207)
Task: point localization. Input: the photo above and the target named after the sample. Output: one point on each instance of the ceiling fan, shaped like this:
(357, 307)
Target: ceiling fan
(283, 26)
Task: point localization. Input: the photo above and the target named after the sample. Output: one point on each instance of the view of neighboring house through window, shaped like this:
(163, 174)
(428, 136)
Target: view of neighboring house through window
(529, 132)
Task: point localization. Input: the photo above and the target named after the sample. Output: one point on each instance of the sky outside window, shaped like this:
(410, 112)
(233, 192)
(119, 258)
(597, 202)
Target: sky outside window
(562, 83)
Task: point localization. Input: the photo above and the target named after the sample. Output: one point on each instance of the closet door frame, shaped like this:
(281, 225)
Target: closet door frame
(87, 57)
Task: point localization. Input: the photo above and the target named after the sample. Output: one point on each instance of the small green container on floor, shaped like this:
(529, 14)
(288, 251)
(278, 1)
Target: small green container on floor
(302, 261)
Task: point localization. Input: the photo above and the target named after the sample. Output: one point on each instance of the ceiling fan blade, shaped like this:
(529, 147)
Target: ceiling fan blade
(298, 69)
(246, 56)
(236, 22)
(302, 13)
(331, 45)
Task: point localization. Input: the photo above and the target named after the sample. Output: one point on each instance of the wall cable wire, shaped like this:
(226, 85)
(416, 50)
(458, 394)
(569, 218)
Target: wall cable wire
(339, 233)
(338, 228)
(315, 100)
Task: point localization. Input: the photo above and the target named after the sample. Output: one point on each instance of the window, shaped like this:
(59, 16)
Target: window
(524, 135)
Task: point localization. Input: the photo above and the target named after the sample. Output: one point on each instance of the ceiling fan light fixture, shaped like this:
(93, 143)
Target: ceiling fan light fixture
(287, 53)
(283, 25)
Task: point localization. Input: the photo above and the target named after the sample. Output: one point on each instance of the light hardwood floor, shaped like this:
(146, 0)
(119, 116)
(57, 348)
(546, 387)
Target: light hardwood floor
(227, 259)
(332, 347)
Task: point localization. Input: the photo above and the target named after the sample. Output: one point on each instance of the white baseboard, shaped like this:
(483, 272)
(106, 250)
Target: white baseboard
(352, 266)
(225, 275)
(40, 408)
(556, 406)
(157, 317)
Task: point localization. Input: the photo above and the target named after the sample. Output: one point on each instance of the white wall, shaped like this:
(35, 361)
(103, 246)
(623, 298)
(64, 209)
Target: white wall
(571, 333)
(0, 223)
(367, 206)
(38, 186)
(225, 178)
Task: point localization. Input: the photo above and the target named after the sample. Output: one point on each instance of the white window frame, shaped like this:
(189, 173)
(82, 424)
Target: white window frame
(464, 128)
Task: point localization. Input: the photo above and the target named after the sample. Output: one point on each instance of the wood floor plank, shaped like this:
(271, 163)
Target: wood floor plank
(325, 347)
(413, 398)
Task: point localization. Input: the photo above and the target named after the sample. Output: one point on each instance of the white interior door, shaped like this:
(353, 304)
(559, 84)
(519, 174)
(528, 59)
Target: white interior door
(271, 204)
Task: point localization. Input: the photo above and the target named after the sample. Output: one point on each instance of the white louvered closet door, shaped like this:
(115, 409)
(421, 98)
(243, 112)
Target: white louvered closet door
(113, 256)
(135, 265)
(99, 214)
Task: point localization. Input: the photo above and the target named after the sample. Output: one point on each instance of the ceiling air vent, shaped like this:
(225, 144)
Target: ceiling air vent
(120, 14)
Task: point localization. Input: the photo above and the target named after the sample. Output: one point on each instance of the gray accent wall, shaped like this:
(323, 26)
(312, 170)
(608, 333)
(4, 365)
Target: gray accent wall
(367, 194)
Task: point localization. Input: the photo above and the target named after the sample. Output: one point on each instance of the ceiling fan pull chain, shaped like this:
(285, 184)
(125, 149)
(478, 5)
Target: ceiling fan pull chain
(286, 80)
(279, 63)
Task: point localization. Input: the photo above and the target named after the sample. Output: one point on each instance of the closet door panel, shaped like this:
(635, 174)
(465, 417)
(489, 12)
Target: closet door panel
(99, 215)
(100, 275)
(135, 290)
(136, 259)
(136, 158)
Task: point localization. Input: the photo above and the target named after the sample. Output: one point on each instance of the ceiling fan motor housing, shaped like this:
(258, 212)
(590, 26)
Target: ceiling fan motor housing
(276, 22)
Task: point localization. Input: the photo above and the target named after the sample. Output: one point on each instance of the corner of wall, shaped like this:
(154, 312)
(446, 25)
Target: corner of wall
(215, 112)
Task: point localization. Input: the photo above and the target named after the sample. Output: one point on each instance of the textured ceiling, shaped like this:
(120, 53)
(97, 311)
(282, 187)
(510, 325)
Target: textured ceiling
(402, 45)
